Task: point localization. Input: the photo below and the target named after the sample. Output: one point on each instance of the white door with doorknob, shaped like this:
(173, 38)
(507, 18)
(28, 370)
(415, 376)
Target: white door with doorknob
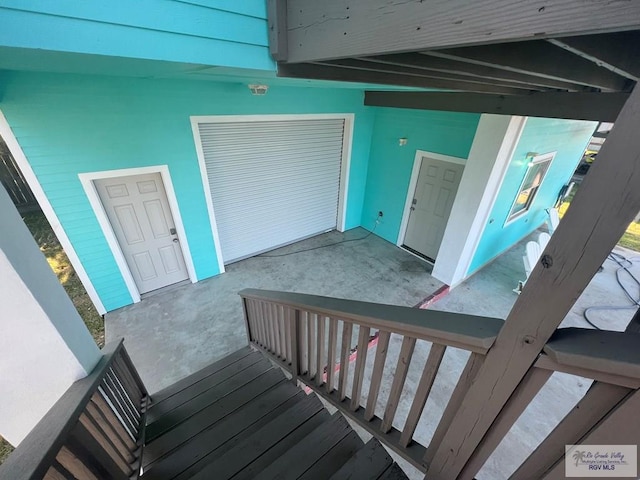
(141, 219)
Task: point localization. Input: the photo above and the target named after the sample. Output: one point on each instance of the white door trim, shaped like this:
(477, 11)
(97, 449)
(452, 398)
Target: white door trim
(417, 163)
(49, 213)
(96, 204)
(347, 142)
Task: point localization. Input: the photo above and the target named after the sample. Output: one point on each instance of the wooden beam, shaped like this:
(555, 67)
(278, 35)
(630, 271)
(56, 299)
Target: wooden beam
(573, 105)
(277, 18)
(350, 74)
(372, 66)
(618, 52)
(445, 65)
(606, 203)
(538, 58)
(330, 30)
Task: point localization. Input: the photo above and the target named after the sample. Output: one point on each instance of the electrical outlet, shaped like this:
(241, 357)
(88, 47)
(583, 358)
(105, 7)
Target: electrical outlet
(380, 214)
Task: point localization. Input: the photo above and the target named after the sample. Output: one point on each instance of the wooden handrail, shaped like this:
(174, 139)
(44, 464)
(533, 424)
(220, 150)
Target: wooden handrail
(469, 332)
(301, 333)
(43, 446)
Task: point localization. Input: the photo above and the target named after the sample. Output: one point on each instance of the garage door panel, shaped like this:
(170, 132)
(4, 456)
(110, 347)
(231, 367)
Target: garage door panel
(272, 183)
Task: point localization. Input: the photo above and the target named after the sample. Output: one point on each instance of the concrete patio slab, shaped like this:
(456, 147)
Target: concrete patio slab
(180, 331)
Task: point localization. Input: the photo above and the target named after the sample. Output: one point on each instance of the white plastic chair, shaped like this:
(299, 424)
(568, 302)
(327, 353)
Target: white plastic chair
(554, 219)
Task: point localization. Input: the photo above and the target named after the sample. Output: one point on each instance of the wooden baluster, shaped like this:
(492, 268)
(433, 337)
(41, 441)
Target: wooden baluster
(404, 359)
(462, 387)
(105, 443)
(132, 370)
(376, 375)
(302, 326)
(267, 328)
(81, 435)
(294, 328)
(279, 311)
(122, 394)
(98, 400)
(273, 316)
(74, 465)
(248, 323)
(57, 472)
(345, 351)
(312, 345)
(131, 390)
(361, 360)
(528, 388)
(589, 411)
(108, 390)
(287, 319)
(331, 355)
(320, 350)
(422, 392)
(255, 322)
(109, 430)
(262, 324)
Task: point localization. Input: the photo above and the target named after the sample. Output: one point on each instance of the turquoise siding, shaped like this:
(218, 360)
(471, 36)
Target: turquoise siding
(568, 138)
(69, 124)
(222, 32)
(390, 165)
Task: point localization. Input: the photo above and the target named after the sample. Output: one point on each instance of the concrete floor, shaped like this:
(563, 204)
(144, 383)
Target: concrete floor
(171, 335)
(184, 329)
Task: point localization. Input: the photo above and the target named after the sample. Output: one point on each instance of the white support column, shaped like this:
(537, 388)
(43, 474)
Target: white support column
(489, 158)
(44, 344)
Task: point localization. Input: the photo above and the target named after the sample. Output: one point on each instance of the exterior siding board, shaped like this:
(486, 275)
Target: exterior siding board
(390, 165)
(568, 138)
(70, 124)
(175, 31)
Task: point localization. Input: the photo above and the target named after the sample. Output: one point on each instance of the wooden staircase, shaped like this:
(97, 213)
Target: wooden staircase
(241, 418)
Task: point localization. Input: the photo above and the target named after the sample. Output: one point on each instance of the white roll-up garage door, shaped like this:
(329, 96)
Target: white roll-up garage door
(272, 182)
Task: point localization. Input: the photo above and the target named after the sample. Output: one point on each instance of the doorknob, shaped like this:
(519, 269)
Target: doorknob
(175, 240)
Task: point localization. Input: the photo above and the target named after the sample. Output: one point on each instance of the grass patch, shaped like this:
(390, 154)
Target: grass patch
(61, 266)
(50, 246)
(630, 239)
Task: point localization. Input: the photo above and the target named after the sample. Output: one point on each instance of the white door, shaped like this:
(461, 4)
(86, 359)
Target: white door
(433, 198)
(139, 213)
(272, 182)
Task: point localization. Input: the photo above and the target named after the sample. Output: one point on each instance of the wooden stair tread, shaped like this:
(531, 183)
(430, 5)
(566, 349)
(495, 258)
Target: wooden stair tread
(368, 463)
(215, 412)
(256, 444)
(394, 472)
(159, 408)
(296, 461)
(180, 385)
(223, 435)
(334, 458)
(240, 418)
(169, 420)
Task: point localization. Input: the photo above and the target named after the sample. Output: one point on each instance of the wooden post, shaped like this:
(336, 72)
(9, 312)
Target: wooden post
(606, 203)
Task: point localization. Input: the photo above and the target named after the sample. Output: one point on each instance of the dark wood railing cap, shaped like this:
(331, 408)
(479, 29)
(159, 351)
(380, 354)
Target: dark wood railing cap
(469, 332)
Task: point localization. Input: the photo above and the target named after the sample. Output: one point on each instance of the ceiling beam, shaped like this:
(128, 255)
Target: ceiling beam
(579, 106)
(373, 66)
(418, 60)
(348, 74)
(618, 52)
(330, 30)
(538, 58)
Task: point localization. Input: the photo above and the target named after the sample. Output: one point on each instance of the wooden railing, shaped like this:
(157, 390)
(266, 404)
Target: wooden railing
(94, 431)
(300, 332)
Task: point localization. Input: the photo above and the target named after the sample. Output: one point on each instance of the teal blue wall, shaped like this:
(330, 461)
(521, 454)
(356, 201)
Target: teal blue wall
(568, 138)
(69, 124)
(390, 165)
(206, 32)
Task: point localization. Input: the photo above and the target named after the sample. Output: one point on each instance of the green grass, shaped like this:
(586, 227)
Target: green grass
(630, 239)
(49, 245)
